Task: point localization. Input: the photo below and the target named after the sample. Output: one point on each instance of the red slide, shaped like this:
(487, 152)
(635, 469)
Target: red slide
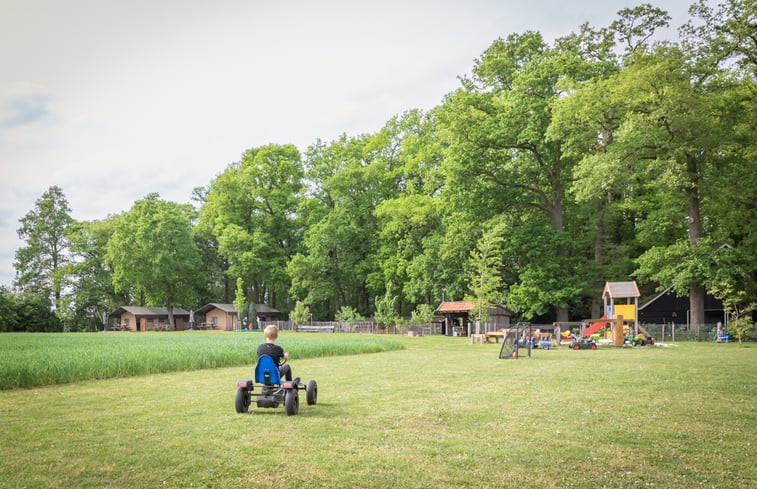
(595, 327)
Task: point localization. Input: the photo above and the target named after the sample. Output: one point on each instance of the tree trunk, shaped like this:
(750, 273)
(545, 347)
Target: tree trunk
(171, 325)
(562, 315)
(556, 218)
(696, 306)
(696, 290)
(599, 236)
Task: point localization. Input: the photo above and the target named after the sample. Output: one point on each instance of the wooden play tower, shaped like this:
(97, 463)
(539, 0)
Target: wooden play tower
(618, 304)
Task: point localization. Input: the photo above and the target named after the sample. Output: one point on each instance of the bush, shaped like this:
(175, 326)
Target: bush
(300, 313)
(422, 315)
(742, 327)
(348, 315)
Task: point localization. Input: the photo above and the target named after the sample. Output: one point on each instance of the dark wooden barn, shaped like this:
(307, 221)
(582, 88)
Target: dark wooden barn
(666, 307)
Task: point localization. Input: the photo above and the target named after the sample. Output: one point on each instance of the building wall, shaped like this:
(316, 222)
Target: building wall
(128, 322)
(223, 320)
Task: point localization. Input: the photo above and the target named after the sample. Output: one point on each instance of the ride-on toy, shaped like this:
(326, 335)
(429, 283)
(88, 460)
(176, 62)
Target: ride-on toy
(273, 392)
(582, 343)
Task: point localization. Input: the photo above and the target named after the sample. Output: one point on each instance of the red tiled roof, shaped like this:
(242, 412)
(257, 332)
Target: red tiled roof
(458, 306)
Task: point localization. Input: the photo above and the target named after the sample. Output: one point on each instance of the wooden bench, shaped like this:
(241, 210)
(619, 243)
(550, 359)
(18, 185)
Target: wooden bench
(494, 334)
(307, 328)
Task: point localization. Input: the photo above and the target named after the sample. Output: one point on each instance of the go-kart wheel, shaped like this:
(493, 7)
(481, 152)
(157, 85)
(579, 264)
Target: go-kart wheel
(292, 402)
(576, 346)
(311, 392)
(593, 346)
(242, 400)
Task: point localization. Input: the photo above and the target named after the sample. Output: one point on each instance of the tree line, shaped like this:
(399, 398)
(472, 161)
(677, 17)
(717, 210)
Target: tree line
(554, 167)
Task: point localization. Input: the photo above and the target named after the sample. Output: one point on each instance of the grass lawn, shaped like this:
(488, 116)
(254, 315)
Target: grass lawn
(440, 414)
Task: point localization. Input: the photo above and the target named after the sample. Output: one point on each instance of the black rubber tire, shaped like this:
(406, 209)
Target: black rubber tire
(292, 402)
(593, 346)
(576, 347)
(242, 400)
(311, 392)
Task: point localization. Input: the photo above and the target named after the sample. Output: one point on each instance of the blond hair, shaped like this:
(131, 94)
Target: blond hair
(271, 332)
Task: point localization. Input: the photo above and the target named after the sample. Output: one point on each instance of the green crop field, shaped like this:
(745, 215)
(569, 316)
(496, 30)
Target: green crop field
(36, 359)
(440, 413)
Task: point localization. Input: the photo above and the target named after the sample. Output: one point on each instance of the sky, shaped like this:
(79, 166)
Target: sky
(113, 99)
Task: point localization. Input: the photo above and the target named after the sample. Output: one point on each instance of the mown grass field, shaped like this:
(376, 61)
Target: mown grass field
(441, 413)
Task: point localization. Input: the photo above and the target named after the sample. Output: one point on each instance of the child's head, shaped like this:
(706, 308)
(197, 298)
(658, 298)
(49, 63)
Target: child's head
(271, 332)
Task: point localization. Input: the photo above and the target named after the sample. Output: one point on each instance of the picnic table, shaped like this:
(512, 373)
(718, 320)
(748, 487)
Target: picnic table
(494, 334)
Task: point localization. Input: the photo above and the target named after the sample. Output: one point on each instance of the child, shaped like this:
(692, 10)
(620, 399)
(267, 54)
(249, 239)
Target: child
(270, 348)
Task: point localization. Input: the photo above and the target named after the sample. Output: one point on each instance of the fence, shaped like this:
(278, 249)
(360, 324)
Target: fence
(354, 327)
(682, 332)
(661, 332)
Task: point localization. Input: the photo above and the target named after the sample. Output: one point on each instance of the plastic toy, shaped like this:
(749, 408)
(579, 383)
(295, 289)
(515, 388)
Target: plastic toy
(582, 344)
(640, 340)
(273, 392)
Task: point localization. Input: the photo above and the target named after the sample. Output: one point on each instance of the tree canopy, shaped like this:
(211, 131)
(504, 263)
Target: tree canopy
(604, 154)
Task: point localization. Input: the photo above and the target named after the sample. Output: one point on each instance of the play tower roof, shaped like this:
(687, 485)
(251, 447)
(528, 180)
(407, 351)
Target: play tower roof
(621, 290)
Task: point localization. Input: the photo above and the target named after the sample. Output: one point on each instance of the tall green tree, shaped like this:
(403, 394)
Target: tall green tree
(586, 119)
(239, 300)
(339, 264)
(217, 285)
(721, 37)
(8, 311)
(251, 210)
(89, 276)
(40, 263)
(410, 224)
(502, 160)
(152, 252)
(678, 132)
(485, 272)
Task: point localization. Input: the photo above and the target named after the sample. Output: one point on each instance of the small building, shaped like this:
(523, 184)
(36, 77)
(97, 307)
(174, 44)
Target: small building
(217, 316)
(457, 322)
(666, 307)
(224, 316)
(138, 318)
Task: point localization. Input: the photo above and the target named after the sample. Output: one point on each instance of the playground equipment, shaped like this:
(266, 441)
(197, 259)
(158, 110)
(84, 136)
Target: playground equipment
(616, 291)
(590, 327)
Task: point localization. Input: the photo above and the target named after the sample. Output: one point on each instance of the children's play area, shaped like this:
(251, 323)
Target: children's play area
(618, 327)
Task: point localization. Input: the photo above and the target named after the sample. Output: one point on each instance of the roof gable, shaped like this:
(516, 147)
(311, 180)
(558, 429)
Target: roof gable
(230, 309)
(148, 311)
(621, 290)
(456, 306)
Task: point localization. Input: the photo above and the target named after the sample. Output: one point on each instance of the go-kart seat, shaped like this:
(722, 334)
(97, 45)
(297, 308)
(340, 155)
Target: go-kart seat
(266, 371)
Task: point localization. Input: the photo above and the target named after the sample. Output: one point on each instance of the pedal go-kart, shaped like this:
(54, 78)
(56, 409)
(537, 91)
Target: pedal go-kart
(273, 392)
(582, 344)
